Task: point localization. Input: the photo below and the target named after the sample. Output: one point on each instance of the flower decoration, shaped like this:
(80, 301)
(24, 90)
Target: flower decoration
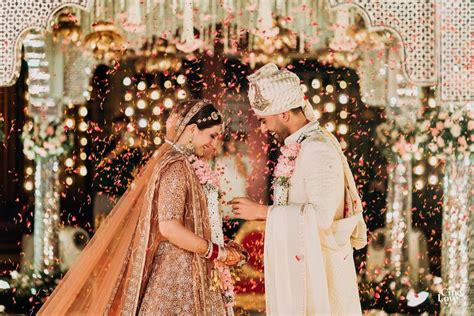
(44, 138)
(395, 140)
(447, 131)
(204, 172)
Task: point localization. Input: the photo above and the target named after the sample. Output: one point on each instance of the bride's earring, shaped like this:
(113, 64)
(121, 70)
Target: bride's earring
(190, 147)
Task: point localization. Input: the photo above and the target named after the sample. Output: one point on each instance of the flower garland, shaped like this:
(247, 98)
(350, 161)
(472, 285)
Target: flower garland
(209, 179)
(286, 164)
(44, 138)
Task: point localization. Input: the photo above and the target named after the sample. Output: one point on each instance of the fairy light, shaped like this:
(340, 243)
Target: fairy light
(129, 111)
(83, 126)
(83, 156)
(316, 99)
(69, 122)
(343, 99)
(83, 111)
(156, 126)
(343, 114)
(156, 110)
(343, 129)
(127, 81)
(141, 104)
(167, 84)
(433, 179)
(155, 95)
(69, 181)
(83, 141)
(419, 184)
(317, 114)
(304, 88)
(157, 140)
(418, 155)
(329, 107)
(181, 79)
(142, 123)
(419, 170)
(69, 162)
(316, 84)
(330, 126)
(181, 94)
(128, 96)
(83, 170)
(28, 185)
(141, 85)
(433, 161)
(432, 103)
(168, 103)
(29, 171)
(329, 88)
(343, 84)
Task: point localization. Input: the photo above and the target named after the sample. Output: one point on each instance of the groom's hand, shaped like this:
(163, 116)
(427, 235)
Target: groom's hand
(247, 209)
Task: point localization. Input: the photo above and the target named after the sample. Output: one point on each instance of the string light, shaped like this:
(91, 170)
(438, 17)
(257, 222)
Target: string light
(83, 111)
(168, 103)
(304, 88)
(329, 107)
(157, 140)
(69, 181)
(69, 123)
(419, 184)
(83, 126)
(29, 171)
(141, 85)
(128, 96)
(181, 79)
(83, 141)
(343, 114)
(129, 111)
(181, 94)
(83, 156)
(167, 84)
(156, 125)
(83, 170)
(433, 161)
(343, 84)
(343, 129)
(317, 114)
(142, 123)
(127, 81)
(156, 110)
(28, 185)
(419, 170)
(141, 104)
(330, 126)
(343, 99)
(69, 162)
(433, 179)
(329, 88)
(316, 99)
(155, 95)
(316, 84)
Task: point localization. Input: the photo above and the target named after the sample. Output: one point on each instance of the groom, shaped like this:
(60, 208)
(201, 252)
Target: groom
(316, 218)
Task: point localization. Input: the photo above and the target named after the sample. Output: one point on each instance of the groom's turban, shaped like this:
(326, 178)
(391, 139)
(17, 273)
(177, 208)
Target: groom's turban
(273, 91)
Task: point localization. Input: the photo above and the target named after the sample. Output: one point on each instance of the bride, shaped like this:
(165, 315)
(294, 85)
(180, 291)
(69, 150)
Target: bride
(156, 253)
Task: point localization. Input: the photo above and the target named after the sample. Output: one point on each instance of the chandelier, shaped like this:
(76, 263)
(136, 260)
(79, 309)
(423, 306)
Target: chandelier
(105, 42)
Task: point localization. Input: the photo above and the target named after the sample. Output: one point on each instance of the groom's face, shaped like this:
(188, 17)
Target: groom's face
(275, 126)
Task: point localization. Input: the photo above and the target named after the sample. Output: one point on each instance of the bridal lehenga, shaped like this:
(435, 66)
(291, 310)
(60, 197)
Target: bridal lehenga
(128, 268)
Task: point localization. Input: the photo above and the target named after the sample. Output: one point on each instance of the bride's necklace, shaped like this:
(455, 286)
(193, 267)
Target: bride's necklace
(182, 149)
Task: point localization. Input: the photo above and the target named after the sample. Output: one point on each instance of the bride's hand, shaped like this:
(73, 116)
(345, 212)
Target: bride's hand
(233, 257)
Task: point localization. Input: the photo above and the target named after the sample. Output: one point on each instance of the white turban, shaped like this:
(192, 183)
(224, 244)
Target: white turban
(273, 91)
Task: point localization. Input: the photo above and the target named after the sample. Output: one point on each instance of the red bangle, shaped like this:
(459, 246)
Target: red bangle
(215, 252)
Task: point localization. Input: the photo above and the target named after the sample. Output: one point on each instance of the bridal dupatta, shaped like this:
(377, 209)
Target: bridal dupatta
(111, 274)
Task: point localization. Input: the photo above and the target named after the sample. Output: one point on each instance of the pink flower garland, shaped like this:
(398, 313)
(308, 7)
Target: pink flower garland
(207, 176)
(204, 172)
(286, 163)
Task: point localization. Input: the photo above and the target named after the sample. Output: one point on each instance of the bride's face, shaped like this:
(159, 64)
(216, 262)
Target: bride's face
(206, 140)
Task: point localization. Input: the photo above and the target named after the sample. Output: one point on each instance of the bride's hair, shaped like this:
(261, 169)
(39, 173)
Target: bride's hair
(207, 117)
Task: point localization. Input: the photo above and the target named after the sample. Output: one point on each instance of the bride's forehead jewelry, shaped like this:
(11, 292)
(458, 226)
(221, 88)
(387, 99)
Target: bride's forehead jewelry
(183, 121)
(214, 116)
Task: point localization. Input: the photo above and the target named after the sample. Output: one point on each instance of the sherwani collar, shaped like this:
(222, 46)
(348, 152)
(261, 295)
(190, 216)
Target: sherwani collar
(299, 134)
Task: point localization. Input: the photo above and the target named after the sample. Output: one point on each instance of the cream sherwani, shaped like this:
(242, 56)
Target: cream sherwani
(309, 266)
